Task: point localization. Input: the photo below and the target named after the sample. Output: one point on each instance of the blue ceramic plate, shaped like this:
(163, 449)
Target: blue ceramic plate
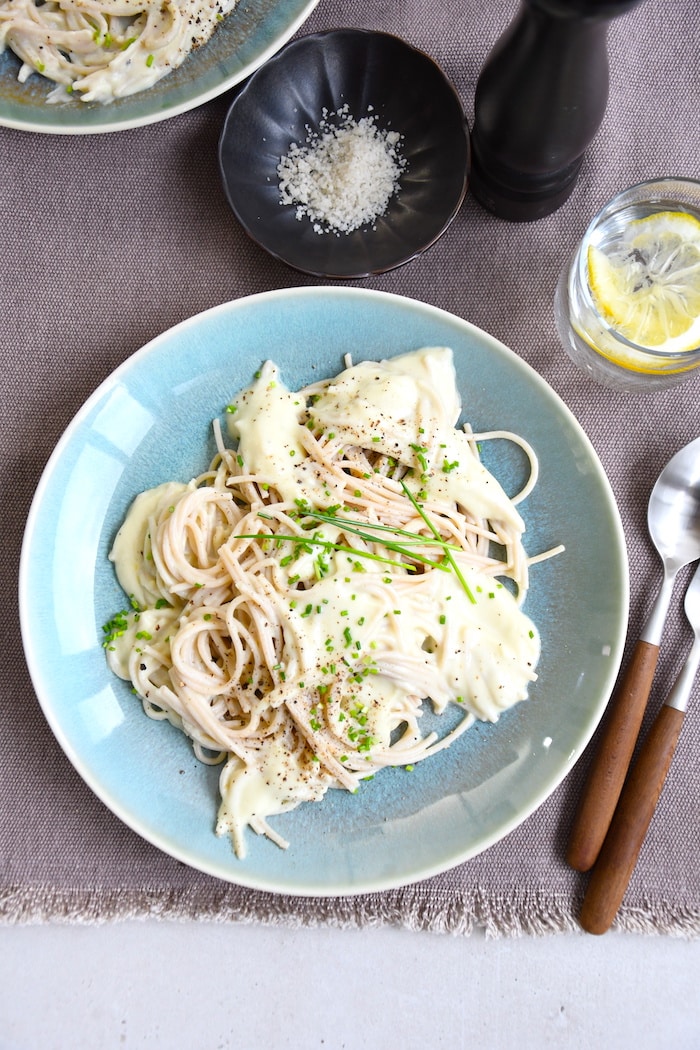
(255, 30)
(151, 421)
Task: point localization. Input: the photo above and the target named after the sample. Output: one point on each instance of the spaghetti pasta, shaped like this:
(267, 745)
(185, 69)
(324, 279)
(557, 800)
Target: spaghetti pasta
(294, 605)
(101, 50)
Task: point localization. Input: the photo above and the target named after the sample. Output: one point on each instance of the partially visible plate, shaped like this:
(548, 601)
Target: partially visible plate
(254, 31)
(152, 421)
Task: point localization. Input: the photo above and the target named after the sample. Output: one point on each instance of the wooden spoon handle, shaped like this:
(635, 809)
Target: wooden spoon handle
(612, 759)
(618, 856)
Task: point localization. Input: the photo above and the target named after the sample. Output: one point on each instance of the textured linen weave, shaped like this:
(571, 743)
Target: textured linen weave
(111, 239)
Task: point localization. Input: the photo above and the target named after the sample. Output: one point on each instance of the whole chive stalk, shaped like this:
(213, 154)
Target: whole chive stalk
(327, 545)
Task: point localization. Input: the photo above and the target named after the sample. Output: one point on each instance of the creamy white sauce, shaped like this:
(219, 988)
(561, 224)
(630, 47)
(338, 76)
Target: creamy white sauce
(406, 408)
(459, 477)
(391, 405)
(481, 654)
(144, 627)
(251, 794)
(130, 548)
(267, 424)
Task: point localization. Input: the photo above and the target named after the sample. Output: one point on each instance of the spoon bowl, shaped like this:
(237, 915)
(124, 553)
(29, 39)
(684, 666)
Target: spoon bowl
(674, 526)
(674, 507)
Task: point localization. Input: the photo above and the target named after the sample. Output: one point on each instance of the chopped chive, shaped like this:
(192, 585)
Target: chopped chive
(420, 451)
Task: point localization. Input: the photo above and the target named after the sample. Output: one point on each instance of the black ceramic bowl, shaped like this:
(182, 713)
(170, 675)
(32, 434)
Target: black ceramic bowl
(373, 74)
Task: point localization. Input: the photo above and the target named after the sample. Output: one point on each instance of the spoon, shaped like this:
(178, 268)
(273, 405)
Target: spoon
(674, 526)
(642, 789)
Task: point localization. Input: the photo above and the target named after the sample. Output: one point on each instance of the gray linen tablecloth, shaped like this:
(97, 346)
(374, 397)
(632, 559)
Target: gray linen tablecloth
(111, 239)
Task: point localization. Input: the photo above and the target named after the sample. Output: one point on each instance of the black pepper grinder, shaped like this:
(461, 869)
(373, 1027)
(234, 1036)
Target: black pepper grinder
(539, 101)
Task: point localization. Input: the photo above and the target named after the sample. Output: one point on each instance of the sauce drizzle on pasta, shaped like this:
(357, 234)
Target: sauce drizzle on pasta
(347, 559)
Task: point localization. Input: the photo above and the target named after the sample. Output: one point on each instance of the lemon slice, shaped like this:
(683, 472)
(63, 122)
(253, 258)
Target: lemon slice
(647, 285)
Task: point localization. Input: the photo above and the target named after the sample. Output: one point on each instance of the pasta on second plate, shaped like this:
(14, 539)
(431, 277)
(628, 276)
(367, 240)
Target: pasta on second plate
(101, 50)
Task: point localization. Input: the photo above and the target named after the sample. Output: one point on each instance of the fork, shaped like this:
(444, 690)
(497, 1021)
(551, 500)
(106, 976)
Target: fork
(635, 809)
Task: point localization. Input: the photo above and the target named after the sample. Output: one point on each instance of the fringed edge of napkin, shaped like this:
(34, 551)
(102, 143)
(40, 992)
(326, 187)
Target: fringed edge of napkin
(440, 912)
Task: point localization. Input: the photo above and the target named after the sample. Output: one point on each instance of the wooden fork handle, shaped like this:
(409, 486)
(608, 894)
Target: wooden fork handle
(610, 765)
(614, 867)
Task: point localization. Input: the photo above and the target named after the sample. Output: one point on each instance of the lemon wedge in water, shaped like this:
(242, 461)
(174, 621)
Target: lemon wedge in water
(647, 286)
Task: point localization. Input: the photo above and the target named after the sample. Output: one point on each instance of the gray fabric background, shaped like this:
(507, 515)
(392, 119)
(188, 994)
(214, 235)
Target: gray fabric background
(109, 240)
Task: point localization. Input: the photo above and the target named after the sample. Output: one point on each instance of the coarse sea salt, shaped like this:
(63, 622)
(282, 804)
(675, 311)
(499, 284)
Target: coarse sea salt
(345, 174)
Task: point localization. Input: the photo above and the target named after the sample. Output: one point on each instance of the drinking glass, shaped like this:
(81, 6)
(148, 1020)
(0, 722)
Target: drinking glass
(588, 337)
